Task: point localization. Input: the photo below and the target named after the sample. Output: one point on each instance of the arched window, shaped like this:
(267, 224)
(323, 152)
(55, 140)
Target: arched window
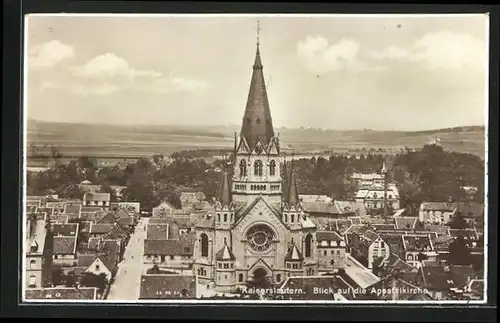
(257, 168)
(32, 263)
(308, 245)
(286, 217)
(243, 168)
(240, 277)
(272, 168)
(204, 245)
(278, 278)
(218, 217)
(225, 217)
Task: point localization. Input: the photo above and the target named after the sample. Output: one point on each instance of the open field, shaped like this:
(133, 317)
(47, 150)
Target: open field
(137, 141)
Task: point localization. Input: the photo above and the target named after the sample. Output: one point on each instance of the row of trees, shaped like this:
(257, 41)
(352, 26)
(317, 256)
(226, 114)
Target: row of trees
(428, 174)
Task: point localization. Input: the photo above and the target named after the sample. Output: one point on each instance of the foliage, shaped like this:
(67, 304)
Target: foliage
(458, 222)
(459, 253)
(57, 276)
(93, 280)
(107, 189)
(153, 270)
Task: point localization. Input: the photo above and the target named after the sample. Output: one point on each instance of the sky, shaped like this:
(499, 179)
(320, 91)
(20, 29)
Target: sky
(332, 72)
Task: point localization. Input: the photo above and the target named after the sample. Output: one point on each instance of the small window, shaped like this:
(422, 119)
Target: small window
(288, 265)
(286, 217)
(226, 266)
(172, 257)
(324, 253)
(220, 265)
(32, 263)
(278, 278)
(332, 252)
(225, 276)
(331, 262)
(292, 218)
(240, 277)
(97, 267)
(32, 281)
(218, 217)
(225, 217)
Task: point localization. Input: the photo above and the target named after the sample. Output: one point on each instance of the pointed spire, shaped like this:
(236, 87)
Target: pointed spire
(293, 254)
(225, 253)
(293, 194)
(224, 194)
(257, 121)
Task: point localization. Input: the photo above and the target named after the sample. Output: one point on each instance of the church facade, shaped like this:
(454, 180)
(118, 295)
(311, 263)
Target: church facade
(257, 230)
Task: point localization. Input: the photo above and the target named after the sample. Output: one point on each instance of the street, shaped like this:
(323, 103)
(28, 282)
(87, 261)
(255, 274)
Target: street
(359, 273)
(128, 277)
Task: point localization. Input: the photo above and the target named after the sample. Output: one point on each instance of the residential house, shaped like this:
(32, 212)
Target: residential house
(87, 209)
(373, 197)
(73, 208)
(97, 199)
(329, 224)
(62, 293)
(441, 281)
(394, 264)
(58, 206)
(367, 179)
(104, 263)
(163, 209)
(331, 250)
(64, 250)
(436, 212)
(418, 248)
(37, 253)
(66, 229)
(100, 229)
(170, 253)
(59, 219)
(367, 246)
(167, 287)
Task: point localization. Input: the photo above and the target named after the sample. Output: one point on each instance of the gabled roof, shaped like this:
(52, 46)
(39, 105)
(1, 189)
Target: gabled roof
(417, 243)
(225, 254)
(321, 207)
(293, 254)
(97, 197)
(182, 246)
(167, 286)
(157, 231)
(101, 228)
(328, 236)
(66, 229)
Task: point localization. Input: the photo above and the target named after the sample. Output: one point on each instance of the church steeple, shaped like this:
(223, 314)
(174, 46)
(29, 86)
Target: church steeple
(257, 122)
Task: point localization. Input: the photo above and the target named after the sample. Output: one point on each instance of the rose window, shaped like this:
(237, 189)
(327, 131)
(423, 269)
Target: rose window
(260, 237)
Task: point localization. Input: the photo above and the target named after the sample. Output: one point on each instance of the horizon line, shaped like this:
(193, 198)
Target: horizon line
(237, 125)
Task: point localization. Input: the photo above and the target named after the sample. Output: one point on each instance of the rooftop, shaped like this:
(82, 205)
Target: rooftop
(87, 293)
(64, 245)
(167, 287)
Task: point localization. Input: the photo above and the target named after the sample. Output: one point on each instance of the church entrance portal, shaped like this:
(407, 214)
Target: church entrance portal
(260, 278)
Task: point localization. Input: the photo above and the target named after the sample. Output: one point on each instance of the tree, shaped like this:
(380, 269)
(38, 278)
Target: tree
(71, 279)
(57, 276)
(93, 280)
(459, 253)
(72, 192)
(107, 189)
(153, 270)
(458, 222)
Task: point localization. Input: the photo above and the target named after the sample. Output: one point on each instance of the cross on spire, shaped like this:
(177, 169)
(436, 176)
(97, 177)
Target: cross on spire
(258, 32)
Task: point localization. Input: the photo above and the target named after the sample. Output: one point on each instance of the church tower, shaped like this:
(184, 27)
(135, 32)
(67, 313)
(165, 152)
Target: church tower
(225, 213)
(257, 162)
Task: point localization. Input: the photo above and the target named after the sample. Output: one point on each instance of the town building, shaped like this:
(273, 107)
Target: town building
(97, 199)
(37, 253)
(366, 245)
(436, 212)
(373, 197)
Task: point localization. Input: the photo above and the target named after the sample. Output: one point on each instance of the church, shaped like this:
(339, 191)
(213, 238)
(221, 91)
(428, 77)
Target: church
(257, 230)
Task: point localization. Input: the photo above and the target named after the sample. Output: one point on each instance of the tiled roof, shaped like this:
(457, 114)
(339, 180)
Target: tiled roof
(116, 232)
(438, 206)
(321, 207)
(167, 287)
(293, 254)
(157, 231)
(157, 220)
(395, 242)
(387, 284)
(126, 221)
(64, 245)
(59, 219)
(67, 229)
(109, 259)
(48, 210)
(352, 206)
(85, 226)
(405, 222)
(382, 226)
(111, 245)
(86, 293)
(101, 228)
(85, 260)
(73, 208)
(206, 221)
(91, 208)
(328, 236)
(417, 243)
(182, 246)
(97, 197)
(225, 254)
(439, 229)
(442, 278)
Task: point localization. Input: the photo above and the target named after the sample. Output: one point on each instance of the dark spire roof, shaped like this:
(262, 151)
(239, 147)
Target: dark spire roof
(293, 254)
(224, 191)
(292, 197)
(225, 253)
(257, 122)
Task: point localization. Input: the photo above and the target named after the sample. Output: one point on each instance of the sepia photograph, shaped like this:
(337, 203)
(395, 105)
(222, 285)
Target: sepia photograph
(264, 158)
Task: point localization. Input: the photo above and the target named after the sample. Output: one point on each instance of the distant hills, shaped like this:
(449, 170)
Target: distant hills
(99, 139)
